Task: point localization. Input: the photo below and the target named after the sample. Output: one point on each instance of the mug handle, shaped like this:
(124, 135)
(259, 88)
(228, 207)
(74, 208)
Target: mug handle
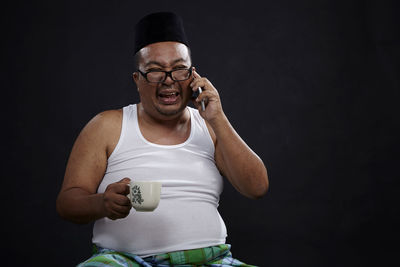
(130, 193)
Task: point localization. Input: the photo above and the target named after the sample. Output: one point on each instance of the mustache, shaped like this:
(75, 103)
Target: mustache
(166, 87)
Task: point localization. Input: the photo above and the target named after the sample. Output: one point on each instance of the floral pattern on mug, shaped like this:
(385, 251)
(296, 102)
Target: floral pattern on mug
(137, 195)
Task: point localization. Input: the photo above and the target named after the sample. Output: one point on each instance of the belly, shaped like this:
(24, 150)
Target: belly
(176, 224)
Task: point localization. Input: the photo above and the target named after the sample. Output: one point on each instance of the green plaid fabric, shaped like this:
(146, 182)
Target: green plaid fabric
(214, 256)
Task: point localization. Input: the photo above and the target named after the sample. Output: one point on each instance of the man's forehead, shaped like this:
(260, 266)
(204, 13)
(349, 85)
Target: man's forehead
(165, 53)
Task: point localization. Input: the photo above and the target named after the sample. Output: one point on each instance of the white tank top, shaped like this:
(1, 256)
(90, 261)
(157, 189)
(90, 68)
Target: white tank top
(187, 215)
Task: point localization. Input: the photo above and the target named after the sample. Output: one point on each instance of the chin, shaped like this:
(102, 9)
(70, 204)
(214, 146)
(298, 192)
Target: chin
(171, 110)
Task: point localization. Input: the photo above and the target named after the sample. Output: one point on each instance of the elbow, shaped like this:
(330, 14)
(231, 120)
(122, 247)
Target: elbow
(260, 189)
(65, 213)
(253, 185)
(261, 183)
(259, 192)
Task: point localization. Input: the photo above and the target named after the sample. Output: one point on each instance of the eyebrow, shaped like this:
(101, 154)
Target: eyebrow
(161, 65)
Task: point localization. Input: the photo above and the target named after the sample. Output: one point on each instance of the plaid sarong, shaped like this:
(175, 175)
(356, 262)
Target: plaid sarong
(216, 256)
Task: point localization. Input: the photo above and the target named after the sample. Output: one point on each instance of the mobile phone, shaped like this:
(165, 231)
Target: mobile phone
(196, 94)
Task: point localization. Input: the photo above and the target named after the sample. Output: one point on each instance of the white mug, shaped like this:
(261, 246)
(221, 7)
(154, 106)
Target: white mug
(144, 195)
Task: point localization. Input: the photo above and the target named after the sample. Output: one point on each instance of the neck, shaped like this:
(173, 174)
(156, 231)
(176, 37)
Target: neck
(171, 121)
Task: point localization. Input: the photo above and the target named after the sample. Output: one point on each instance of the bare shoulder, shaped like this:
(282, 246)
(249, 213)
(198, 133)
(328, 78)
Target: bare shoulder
(106, 119)
(88, 159)
(107, 127)
(102, 132)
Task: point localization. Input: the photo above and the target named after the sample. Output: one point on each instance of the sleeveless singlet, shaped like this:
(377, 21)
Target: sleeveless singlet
(187, 215)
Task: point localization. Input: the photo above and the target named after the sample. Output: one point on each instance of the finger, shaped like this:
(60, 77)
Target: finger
(201, 82)
(114, 215)
(126, 189)
(201, 98)
(195, 89)
(196, 104)
(125, 180)
(205, 95)
(195, 74)
(204, 83)
(120, 188)
(122, 210)
(197, 78)
(122, 200)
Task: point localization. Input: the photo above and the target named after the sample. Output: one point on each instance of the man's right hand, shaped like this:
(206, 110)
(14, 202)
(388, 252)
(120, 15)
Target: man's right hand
(116, 204)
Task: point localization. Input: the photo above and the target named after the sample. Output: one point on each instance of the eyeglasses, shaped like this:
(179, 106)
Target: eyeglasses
(159, 76)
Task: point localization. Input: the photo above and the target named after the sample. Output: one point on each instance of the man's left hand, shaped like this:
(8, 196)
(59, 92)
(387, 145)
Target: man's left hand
(213, 108)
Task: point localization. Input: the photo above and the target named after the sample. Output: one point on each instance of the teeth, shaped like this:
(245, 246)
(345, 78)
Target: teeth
(169, 94)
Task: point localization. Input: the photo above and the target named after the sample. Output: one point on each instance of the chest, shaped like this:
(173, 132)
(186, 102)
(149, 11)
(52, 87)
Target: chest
(165, 135)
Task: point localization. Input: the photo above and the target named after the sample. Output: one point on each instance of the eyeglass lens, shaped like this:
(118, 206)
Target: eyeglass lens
(159, 76)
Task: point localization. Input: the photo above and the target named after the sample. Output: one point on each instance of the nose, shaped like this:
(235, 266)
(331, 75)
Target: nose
(168, 78)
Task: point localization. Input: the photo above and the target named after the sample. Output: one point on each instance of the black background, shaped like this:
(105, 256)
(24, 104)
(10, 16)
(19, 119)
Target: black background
(312, 86)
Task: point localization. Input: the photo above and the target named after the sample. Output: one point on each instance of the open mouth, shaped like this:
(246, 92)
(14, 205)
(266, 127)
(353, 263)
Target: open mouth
(168, 98)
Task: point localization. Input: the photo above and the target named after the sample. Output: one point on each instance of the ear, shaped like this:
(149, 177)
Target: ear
(135, 77)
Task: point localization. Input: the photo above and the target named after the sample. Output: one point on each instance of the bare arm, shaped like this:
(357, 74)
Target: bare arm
(236, 161)
(78, 200)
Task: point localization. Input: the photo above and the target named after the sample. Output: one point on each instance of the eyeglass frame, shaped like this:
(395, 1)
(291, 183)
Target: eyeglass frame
(167, 73)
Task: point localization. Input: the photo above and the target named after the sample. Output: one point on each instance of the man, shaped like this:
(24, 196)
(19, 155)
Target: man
(160, 138)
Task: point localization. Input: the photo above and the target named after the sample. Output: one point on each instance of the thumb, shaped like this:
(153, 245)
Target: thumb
(125, 180)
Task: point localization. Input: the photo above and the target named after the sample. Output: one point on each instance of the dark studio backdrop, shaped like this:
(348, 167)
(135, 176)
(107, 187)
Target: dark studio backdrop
(311, 86)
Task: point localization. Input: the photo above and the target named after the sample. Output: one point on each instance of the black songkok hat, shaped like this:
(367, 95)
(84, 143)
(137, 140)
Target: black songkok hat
(159, 27)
